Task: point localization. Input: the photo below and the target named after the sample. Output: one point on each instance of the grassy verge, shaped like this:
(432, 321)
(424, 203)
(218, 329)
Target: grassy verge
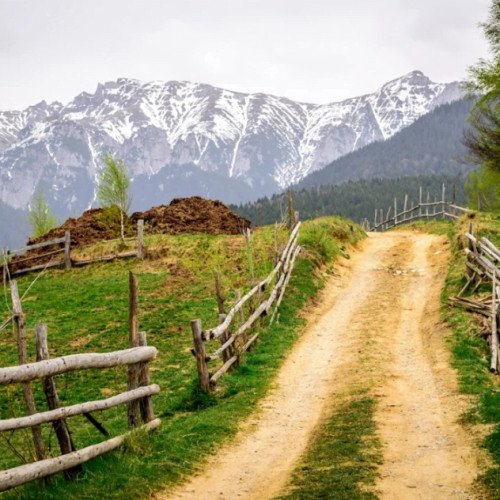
(344, 454)
(470, 352)
(86, 311)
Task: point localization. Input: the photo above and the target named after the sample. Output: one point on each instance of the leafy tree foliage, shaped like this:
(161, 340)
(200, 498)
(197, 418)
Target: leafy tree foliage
(483, 189)
(113, 190)
(40, 217)
(483, 138)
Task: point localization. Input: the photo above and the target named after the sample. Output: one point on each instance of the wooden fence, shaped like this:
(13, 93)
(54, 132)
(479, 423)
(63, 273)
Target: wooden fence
(232, 345)
(66, 261)
(137, 397)
(421, 211)
(482, 266)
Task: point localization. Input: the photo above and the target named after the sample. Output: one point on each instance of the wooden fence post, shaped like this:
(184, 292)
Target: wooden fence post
(5, 264)
(140, 238)
(395, 211)
(381, 213)
(295, 217)
(146, 403)
(226, 353)
(276, 250)
(405, 206)
(237, 295)
(67, 249)
(20, 322)
(133, 369)
(375, 220)
(443, 196)
(454, 199)
(427, 207)
(61, 429)
(290, 209)
(199, 350)
(218, 292)
(420, 202)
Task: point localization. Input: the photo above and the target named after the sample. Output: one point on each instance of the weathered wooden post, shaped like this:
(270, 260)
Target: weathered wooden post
(5, 264)
(443, 202)
(226, 353)
(381, 214)
(427, 206)
(420, 202)
(290, 209)
(67, 249)
(405, 206)
(454, 199)
(61, 429)
(20, 322)
(387, 217)
(375, 221)
(133, 369)
(276, 250)
(237, 294)
(395, 211)
(218, 292)
(140, 239)
(146, 403)
(199, 350)
(295, 217)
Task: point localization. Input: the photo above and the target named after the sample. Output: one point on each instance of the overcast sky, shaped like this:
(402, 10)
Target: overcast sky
(309, 50)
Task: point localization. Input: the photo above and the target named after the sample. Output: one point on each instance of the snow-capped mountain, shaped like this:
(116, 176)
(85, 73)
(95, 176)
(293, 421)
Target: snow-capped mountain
(181, 138)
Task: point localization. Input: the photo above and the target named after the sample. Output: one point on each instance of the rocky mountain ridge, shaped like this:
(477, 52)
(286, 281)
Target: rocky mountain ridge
(182, 138)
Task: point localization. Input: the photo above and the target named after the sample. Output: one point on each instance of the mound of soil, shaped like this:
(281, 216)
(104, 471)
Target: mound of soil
(192, 215)
(183, 215)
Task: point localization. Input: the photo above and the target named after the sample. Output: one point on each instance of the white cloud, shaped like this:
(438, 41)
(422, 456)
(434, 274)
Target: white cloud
(314, 50)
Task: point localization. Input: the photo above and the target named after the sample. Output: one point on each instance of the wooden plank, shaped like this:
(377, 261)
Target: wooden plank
(29, 472)
(60, 426)
(227, 352)
(77, 409)
(463, 209)
(443, 202)
(199, 349)
(34, 257)
(37, 245)
(140, 239)
(22, 355)
(223, 369)
(74, 362)
(146, 402)
(40, 267)
(420, 201)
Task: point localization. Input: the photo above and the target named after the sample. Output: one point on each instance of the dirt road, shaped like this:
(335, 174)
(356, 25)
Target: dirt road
(378, 321)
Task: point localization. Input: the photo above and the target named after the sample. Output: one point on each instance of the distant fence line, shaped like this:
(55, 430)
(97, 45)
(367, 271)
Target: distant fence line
(421, 211)
(66, 261)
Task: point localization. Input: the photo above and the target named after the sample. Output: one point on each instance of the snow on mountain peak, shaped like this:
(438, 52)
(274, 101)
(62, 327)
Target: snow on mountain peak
(158, 128)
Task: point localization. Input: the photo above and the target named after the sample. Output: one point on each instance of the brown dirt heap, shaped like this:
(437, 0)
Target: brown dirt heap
(192, 215)
(183, 215)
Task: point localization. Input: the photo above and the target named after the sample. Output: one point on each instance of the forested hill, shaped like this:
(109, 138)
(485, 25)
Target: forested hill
(431, 145)
(353, 199)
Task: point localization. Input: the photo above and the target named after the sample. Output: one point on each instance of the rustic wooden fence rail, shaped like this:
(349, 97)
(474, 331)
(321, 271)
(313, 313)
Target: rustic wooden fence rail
(482, 266)
(66, 261)
(137, 397)
(422, 210)
(233, 345)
